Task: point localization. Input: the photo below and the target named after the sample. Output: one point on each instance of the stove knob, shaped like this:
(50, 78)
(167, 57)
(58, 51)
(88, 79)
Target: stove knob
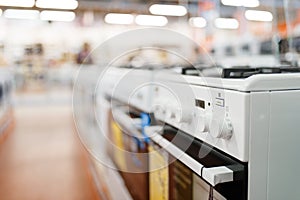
(202, 122)
(221, 129)
(170, 113)
(183, 116)
(207, 119)
(159, 110)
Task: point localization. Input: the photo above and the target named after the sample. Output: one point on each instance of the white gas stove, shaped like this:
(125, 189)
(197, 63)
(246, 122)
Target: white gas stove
(251, 115)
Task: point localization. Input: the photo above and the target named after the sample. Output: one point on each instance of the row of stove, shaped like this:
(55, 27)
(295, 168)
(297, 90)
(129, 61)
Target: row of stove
(6, 104)
(249, 115)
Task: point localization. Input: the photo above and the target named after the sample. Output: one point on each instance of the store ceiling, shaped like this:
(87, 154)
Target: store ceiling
(279, 8)
(277, 3)
(140, 6)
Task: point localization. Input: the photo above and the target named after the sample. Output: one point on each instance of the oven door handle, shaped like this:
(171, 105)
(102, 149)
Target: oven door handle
(212, 175)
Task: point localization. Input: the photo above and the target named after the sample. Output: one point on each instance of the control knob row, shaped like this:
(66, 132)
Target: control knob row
(216, 127)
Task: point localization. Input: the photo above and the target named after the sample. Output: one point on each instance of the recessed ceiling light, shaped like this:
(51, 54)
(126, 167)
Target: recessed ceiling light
(170, 10)
(21, 14)
(63, 16)
(245, 3)
(151, 20)
(17, 3)
(198, 22)
(259, 15)
(226, 23)
(118, 18)
(57, 4)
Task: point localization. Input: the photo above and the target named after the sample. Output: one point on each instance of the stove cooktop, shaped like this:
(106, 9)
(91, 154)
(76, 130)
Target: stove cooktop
(236, 72)
(247, 72)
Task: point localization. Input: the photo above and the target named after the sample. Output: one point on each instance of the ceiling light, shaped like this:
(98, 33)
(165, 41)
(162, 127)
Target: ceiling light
(245, 3)
(21, 14)
(232, 2)
(117, 18)
(258, 15)
(227, 23)
(151, 20)
(64, 16)
(171, 10)
(17, 3)
(198, 22)
(57, 4)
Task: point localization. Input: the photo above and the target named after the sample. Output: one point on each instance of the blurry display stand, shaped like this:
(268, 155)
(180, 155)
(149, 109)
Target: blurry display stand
(36, 72)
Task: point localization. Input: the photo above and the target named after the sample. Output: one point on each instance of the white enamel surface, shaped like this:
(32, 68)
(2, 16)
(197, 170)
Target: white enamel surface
(284, 138)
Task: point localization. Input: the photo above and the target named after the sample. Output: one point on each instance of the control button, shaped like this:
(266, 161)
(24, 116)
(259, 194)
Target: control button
(220, 102)
(221, 128)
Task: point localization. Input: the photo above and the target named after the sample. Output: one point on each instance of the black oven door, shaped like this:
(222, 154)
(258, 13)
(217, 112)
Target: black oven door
(197, 170)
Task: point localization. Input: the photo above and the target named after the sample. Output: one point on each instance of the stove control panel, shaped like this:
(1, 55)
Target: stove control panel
(213, 115)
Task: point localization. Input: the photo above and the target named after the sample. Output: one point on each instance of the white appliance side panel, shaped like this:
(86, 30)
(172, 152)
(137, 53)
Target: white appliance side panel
(284, 148)
(258, 145)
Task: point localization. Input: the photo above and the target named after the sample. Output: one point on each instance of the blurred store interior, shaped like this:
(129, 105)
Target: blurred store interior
(53, 52)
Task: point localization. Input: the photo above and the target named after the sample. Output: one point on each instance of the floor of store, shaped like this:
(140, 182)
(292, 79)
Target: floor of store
(42, 158)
